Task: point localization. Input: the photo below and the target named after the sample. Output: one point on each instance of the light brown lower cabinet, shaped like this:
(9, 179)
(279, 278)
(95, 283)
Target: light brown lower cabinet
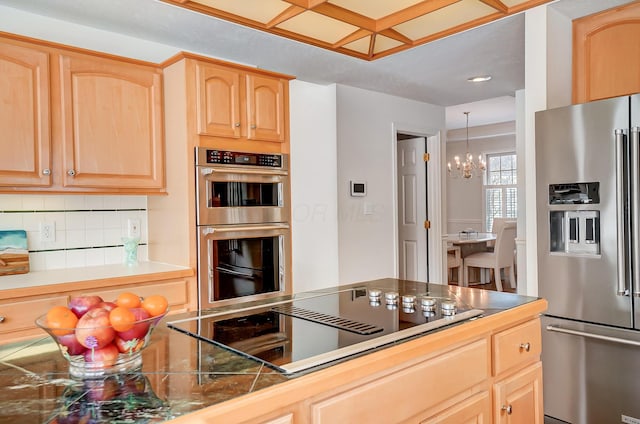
(483, 371)
(18, 315)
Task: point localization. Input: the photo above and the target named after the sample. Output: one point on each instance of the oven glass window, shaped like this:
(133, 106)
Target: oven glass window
(246, 266)
(234, 194)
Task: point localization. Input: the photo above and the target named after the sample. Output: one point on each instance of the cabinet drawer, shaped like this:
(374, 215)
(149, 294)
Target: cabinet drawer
(516, 346)
(20, 316)
(416, 388)
(174, 291)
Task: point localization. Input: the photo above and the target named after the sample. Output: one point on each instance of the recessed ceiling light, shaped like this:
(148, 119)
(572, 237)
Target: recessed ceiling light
(482, 78)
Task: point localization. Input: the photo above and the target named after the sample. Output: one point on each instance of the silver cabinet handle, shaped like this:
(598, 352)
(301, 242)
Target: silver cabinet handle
(507, 408)
(1, 319)
(46, 171)
(592, 335)
(237, 124)
(525, 346)
(71, 172)
(253, 126)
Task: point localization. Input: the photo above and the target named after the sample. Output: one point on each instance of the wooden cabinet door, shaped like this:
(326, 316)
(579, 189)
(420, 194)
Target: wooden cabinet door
(518, 398)
(475, 410)
(606, 54)
(24, 117)
(112, 123)
(265, 108)
(218, 103)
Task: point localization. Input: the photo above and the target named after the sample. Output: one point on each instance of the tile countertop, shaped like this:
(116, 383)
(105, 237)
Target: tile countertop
(179, 375)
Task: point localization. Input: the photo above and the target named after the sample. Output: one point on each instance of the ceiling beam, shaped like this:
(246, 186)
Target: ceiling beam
(354, 36)
(497, 4)
(345, 15)
(392, 33)
(418, 9)
(287, 14)
(372, 44)
(307, 4)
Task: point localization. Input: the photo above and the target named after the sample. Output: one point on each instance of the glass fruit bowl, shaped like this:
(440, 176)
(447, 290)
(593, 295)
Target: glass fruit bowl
(96, 349)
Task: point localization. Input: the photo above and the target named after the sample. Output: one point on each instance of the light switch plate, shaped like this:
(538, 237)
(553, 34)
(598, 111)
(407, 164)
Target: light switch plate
(133, 228)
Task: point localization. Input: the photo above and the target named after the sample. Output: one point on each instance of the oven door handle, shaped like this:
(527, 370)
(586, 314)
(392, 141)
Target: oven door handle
(262, 172)
(233, 228)
(592, 335)
(232, 272)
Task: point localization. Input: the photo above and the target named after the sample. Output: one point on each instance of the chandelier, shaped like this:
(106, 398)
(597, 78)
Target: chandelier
(469, 167)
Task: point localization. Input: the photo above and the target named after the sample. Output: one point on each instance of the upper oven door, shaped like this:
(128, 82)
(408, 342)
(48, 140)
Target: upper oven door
(241, 196)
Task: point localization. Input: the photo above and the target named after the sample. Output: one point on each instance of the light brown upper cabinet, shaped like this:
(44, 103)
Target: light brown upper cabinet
(78, 121)
(606, 54)
(112, 131)
(233, 103)
(24, 116)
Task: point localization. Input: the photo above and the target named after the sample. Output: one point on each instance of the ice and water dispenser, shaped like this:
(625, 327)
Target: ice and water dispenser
(574, 230)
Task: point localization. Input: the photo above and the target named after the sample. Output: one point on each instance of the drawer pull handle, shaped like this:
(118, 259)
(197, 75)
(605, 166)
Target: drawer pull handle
(525, 346)
(507, 408)
(1, 319)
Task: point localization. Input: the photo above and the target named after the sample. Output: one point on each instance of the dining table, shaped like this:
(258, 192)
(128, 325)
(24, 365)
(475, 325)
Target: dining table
(469, 243)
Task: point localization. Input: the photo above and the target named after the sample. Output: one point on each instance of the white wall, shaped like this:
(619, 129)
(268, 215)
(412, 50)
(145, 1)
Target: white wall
(313, 185)
(366, 151)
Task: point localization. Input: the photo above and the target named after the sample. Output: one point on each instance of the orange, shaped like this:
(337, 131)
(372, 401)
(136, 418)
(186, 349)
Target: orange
(155, 305)
(62, 320)
(128, 300)
(121, 318)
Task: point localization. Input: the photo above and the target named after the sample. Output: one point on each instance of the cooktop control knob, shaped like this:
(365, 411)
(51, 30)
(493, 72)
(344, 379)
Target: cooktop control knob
(428, 303)
(448, 307)
(408, 299)
(391, 298)
(374, 295)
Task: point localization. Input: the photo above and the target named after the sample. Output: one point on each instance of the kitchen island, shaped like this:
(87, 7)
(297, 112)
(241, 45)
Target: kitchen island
(487, 367)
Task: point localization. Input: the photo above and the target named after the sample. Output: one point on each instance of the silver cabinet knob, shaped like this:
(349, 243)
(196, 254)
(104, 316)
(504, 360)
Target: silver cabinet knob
(237, 124)
(1, 319)
(507, 408)
(253, 126)
(71, 172)
(46, 171)
(525, 346)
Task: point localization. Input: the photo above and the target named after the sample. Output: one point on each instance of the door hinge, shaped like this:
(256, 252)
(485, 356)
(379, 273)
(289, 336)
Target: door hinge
(426, 157)
(427, 224)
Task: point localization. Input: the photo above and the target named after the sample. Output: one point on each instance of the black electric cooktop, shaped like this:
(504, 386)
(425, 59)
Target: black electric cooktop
(322, 327)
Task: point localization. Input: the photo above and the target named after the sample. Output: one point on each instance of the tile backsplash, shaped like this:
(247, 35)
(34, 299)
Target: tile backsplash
(88, 229)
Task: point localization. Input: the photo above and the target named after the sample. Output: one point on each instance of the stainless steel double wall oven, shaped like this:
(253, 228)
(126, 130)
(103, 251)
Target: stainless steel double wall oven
(243, 214)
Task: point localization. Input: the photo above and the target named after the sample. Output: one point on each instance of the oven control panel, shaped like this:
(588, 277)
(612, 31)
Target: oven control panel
(225, 157)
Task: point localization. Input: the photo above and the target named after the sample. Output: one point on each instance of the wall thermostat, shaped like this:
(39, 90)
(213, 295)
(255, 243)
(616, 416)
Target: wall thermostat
(358, 188)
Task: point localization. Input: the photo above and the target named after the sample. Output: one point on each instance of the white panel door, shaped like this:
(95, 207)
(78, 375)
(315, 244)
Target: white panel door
(412, 210)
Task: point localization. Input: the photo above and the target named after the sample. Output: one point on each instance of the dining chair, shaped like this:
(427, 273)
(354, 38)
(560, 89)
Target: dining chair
(501, 257)
(454, 260)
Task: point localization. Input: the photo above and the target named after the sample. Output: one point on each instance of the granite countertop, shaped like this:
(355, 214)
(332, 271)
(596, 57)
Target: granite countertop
(179, 375)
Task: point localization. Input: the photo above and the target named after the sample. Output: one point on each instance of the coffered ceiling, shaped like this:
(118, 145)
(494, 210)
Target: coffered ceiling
(367, 29)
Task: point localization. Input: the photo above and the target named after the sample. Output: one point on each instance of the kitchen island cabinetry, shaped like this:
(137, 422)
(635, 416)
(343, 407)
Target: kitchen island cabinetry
(450, 376)
(78, 121)
(19, 307)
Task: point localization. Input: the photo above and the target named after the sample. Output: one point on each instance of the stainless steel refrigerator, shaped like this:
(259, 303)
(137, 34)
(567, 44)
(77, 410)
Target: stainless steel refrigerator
(588, 227)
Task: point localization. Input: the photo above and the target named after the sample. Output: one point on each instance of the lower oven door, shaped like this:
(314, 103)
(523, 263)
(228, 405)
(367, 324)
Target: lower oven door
(242, 261)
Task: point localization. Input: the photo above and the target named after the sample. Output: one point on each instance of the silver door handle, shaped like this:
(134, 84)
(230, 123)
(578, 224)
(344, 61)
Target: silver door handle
(620, 202)
(635, 207)
(592, 335)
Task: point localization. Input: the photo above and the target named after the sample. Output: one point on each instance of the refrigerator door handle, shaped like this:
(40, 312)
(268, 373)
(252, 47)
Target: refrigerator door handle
(592, 335)
(620, 207)
(635, 208)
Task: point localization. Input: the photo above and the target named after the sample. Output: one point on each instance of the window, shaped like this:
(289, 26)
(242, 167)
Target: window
(500, 192)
